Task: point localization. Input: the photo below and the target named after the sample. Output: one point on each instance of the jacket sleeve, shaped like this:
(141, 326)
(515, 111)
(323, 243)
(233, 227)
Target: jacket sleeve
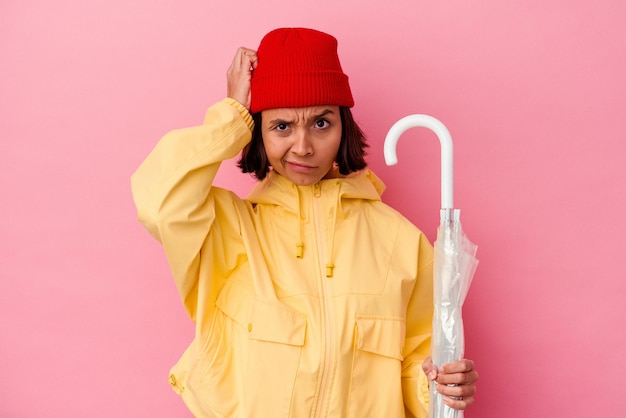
(418, 335)
(172, 189)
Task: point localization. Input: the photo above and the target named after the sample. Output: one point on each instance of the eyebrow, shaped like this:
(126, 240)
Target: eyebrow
(324, 113)
(314, 117)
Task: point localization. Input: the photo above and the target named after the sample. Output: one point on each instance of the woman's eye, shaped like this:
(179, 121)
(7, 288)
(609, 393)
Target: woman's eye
(322, 123)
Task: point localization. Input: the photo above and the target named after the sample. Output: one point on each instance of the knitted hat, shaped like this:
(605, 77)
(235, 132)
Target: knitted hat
(298, 67)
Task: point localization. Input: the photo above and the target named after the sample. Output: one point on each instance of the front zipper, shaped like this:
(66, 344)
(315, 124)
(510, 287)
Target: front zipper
(329, 330)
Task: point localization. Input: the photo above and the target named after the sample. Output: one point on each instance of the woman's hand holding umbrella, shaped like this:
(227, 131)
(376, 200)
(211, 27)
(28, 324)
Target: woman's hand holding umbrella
(455, 380)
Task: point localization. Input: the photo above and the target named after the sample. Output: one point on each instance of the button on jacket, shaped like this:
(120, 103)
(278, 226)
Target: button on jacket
(308, 301)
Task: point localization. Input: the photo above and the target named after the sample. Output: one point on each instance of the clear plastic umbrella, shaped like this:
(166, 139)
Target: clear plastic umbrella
(455, 259)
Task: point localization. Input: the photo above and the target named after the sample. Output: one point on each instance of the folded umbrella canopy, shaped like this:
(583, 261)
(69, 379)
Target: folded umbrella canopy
(455, 259)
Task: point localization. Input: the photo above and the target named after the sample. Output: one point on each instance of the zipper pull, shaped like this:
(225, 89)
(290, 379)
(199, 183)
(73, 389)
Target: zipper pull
(329, 270)
(317, 189)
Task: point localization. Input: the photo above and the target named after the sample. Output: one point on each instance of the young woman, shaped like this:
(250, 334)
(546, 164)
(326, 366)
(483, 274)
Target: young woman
(311, 297)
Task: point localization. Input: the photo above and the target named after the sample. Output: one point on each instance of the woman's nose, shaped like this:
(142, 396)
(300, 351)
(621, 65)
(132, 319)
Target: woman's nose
(302, 144)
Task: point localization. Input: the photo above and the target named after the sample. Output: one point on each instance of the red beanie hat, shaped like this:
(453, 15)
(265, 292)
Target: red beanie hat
(298, 67)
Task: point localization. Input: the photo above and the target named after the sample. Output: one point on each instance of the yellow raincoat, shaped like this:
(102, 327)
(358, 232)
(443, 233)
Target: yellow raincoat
(311, 301)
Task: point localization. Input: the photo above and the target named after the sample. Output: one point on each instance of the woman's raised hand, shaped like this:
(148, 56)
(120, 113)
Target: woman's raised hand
(239, 75)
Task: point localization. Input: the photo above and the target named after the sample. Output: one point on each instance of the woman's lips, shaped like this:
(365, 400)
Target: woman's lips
(300, 168)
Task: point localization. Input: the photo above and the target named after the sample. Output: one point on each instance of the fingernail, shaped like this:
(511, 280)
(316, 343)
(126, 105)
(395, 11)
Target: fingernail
(432, 375)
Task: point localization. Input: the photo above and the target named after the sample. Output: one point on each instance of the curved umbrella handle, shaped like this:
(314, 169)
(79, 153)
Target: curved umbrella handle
(425, 121)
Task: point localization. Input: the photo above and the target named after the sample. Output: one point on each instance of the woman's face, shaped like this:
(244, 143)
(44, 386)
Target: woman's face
(302, 143)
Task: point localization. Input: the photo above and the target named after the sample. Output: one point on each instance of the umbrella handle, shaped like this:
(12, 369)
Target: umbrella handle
(426, 121)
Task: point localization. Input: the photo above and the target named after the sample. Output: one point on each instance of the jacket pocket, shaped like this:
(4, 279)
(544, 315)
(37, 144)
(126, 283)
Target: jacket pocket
(381, 335)
(276, 323)
(377, 367)
(276, 338)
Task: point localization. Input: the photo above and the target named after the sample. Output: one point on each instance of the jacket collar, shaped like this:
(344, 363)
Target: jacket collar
(278, 190)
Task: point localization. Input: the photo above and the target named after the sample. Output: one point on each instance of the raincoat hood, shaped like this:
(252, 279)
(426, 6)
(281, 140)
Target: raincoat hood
(280, 191)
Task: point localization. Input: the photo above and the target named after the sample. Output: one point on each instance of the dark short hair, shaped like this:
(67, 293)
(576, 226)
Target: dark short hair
(350, 157)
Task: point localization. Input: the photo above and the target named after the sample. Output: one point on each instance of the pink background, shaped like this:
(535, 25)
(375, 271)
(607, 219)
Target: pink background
(533, 93)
